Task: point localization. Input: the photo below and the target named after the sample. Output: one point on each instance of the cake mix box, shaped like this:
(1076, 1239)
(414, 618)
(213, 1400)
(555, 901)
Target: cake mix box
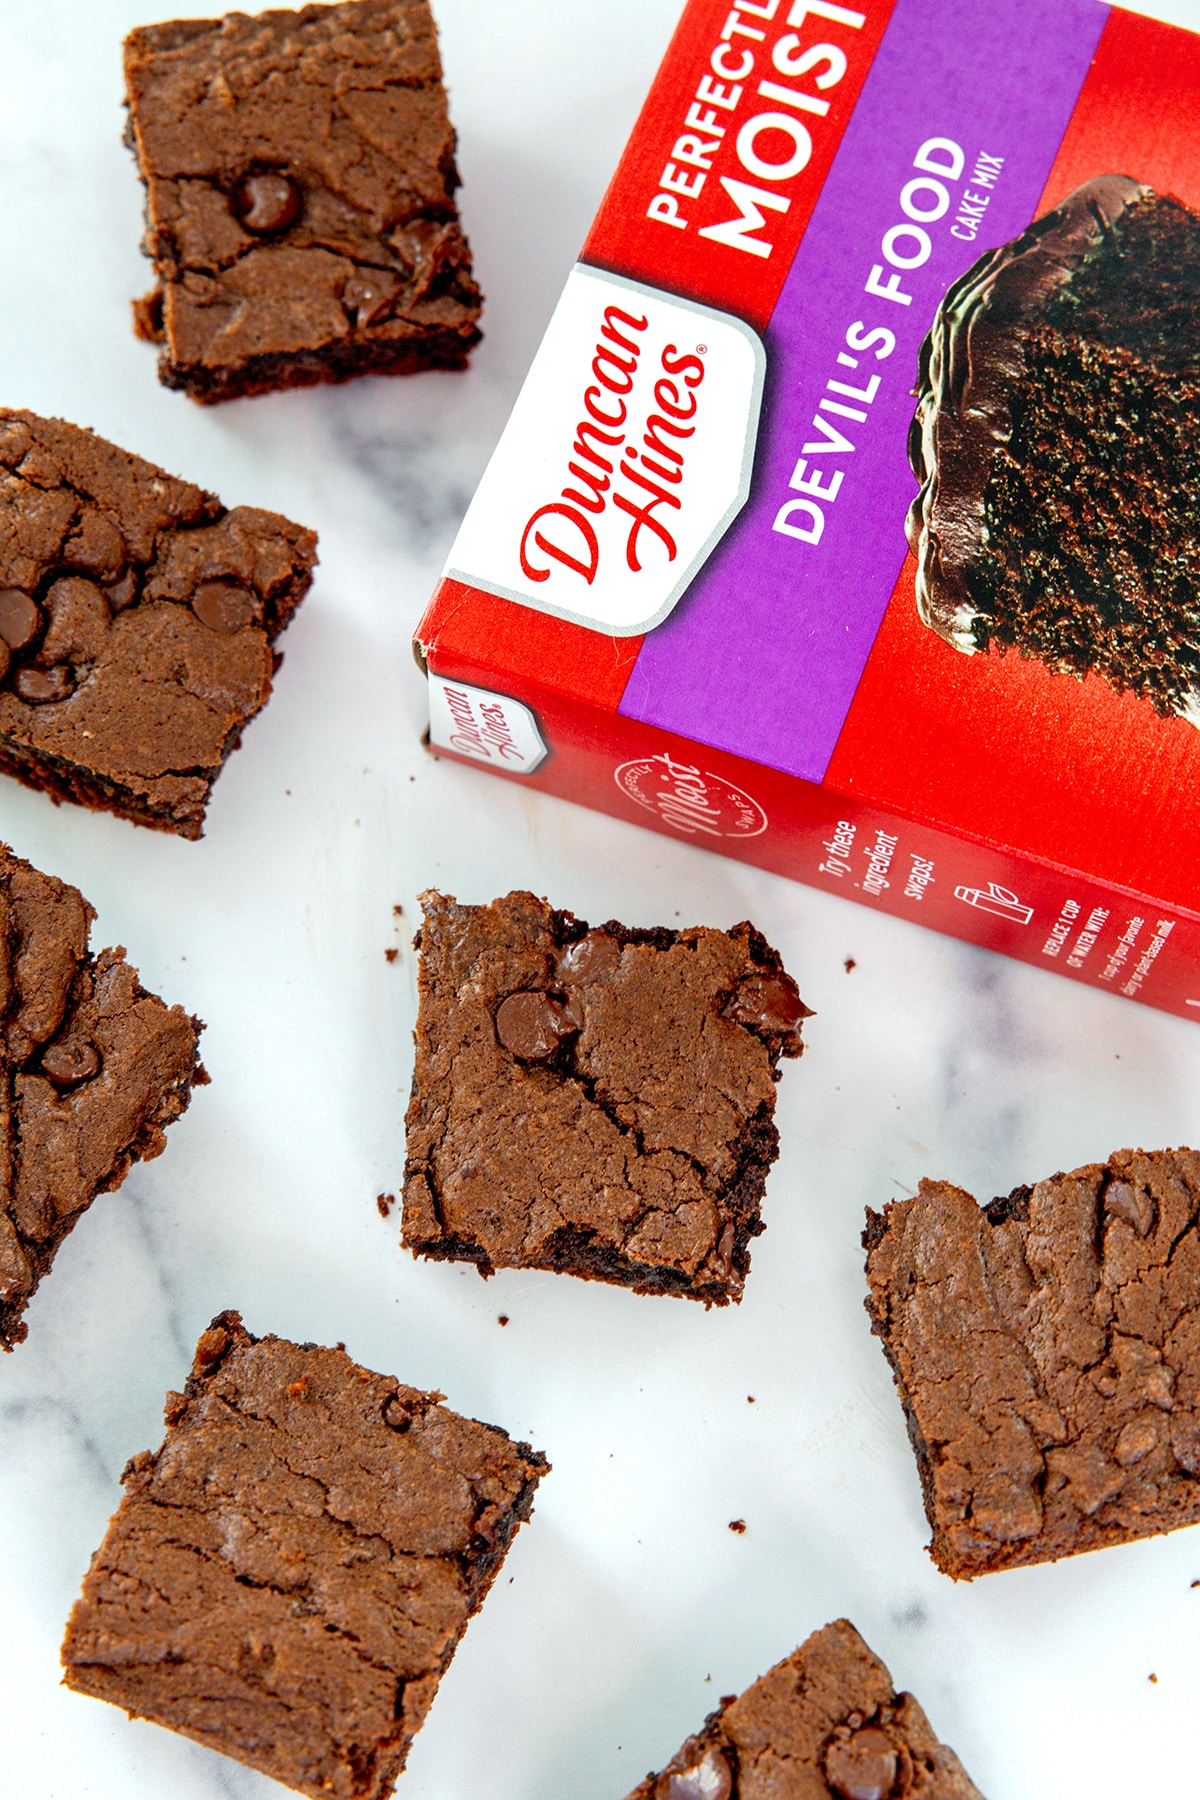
(847, 522)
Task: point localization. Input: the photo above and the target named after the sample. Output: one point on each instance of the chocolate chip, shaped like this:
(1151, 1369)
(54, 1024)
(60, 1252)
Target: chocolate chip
(767, 1003)
(532, 1025)
(428, 246)
(368, 295)
(38, 686)
(20, 620)
(707, 1777)
(213, 1344)
(70, 1062)
(590, 959)
(223, 607)
(267, 203)
(1131, 1204)
(122, 593)
(861, 1766)
(724, 1250)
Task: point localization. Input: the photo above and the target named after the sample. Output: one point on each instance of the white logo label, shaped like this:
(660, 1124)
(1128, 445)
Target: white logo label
(626, 459)
(492, 728)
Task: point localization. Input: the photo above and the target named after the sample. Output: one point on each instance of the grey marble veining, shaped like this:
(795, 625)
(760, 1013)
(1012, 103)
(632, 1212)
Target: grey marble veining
(631, 1605)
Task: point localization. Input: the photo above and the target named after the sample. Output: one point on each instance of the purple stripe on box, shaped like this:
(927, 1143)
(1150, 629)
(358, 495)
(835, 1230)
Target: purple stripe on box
(762, 655)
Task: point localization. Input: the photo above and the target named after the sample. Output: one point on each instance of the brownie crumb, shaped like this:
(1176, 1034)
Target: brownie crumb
(391, 955)
(502, 1319)
(738, 1525)
(849, 964)
(385, 1203)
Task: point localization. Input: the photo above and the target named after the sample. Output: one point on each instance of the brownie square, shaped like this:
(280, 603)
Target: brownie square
(92, 1068)
(824, 1722)
(137, 623)
(597, 1102)
(1047, 1352)
(300, 178)
(287, 1578)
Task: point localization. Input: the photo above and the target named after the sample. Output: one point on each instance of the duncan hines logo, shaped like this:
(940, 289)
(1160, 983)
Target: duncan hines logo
(690, 799)
(489, 728)
(626, 459)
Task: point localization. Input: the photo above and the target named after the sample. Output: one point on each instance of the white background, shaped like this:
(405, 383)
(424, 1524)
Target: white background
(627, 1592)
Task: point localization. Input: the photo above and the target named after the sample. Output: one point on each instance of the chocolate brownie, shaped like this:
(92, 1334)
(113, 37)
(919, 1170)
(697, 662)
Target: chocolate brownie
(1057, 443)
(597, 1102)
(92, 1068)
(1047, 1352)
(824, 1722)
(288, 1576)
(300, 177)
(137, 623)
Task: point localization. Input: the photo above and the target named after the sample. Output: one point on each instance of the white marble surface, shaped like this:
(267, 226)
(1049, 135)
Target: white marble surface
(631, 1605)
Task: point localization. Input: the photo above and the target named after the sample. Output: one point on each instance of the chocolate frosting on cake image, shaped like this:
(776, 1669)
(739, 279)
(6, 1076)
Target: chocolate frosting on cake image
(1057, 444)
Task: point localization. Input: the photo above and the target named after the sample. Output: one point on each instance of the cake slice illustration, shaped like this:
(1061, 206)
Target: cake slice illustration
(1057, 444)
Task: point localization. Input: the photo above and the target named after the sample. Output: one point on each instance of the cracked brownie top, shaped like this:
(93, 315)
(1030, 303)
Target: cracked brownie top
(597, 1101)
(1047, 1351)
(92, 1068)
(288, 1576)
(137, 618)
(825, 1722)
(300, 178)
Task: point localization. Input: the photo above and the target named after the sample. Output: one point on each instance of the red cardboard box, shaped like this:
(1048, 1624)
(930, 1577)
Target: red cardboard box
(683, 593)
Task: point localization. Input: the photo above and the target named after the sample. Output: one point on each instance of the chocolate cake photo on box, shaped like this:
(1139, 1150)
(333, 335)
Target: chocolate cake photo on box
(824, 1724)
(92, 1070)
(1057, 444)
(288, 1576)
(594, 1101)
(300, 177)
(138, 619)
(1046, 1349)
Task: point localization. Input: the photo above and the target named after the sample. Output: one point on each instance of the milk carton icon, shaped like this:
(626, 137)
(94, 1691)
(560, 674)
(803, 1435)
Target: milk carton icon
(995, 899)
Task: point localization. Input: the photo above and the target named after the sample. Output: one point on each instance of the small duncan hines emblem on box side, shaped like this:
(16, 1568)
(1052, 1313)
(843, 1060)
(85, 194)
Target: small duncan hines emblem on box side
(691, 799)
(626, 459)
(492, 728)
